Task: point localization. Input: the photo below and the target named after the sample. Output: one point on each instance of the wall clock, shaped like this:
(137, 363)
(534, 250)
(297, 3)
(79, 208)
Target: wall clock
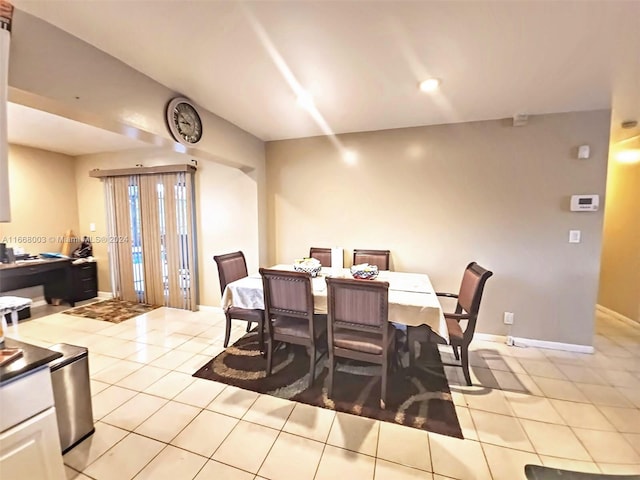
(183, 121)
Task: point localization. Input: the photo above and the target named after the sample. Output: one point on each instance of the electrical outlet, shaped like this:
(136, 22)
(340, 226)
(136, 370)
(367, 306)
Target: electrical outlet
(508, 318)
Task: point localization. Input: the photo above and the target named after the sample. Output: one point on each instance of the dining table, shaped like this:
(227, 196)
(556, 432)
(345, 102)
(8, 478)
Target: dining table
(412, 299)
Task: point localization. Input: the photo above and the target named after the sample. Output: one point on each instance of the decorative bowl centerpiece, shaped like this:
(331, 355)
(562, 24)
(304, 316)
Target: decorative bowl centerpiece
(311, 266)
(364, 271)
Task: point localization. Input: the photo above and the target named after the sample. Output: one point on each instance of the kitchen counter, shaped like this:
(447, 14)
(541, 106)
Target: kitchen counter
(29, 435)
(32, 358)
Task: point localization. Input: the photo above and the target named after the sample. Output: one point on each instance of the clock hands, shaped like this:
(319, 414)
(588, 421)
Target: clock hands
(184, 121)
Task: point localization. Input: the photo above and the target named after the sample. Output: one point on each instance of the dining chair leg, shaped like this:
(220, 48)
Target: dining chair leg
(412, 346)
(227, 332)
(249, 326)
(261, 337)
(465, 363)
(330, 379)
(269, 356)
(393, 362)
(383, 386)
(455, 351)
(312, 366)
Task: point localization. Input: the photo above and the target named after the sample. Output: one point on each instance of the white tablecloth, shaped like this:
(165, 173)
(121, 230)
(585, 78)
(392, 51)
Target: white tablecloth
(412, 300)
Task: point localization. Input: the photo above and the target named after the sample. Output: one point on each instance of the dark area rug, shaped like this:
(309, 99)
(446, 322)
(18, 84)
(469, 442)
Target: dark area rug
(416, 397)
(113, 310)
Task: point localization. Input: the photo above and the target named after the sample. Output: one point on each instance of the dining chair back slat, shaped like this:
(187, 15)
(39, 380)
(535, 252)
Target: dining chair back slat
(380, 258)
(231, 267)
(323, 255)
(358, 306)
(470, 294)
(289, 294)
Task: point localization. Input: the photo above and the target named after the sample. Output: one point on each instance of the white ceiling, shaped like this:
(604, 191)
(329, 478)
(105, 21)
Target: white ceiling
(362, 61)
(35, 128)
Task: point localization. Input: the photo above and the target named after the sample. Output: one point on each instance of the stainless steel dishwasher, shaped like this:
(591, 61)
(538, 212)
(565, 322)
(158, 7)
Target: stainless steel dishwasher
(72, 394)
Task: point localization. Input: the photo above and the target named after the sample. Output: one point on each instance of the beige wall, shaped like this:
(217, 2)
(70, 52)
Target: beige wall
(620, 271)
(49, 62)
(441, 196)
(226, 211)
(43, 199)
(48, 70)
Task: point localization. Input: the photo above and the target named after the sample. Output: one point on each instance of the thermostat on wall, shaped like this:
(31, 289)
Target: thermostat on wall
(585, 203)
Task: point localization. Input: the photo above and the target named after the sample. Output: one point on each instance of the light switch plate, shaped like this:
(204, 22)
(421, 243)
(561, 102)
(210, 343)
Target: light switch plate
(584, 152)
(508, 318)
(574, 236)
(92, 227)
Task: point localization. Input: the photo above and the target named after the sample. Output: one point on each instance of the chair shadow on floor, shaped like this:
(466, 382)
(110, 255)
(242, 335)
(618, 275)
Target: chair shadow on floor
(484, 376)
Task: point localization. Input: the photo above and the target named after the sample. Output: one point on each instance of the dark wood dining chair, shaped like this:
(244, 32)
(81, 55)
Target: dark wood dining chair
(232, 267)
(323, 255)
(358, 326)
(288, 300)
(467, 308)
(380, 258)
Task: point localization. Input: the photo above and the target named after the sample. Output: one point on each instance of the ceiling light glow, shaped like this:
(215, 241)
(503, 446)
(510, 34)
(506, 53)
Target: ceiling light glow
(350, 157)
(305, 100)
(628, 156)
(430, 85)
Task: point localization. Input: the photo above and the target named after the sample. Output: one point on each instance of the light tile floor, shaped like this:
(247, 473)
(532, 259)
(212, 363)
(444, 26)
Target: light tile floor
(528, 405)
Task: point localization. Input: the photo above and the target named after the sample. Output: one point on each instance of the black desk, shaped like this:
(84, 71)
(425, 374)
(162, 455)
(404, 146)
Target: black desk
(54, 274)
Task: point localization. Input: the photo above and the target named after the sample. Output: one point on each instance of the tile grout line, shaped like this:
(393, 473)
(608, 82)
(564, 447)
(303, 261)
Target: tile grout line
(324, 446)
(279, 432)
(234, 427)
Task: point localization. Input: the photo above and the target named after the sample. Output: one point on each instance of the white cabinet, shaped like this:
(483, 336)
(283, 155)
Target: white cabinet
(31, 450)
(29, 442)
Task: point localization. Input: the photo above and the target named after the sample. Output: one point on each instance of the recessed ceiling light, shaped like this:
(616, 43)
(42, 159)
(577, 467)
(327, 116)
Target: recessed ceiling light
(350, 157)
(305, 100)
(430, 85)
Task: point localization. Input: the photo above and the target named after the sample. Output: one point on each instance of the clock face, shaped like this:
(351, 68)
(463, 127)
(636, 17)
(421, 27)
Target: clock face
(184, 122)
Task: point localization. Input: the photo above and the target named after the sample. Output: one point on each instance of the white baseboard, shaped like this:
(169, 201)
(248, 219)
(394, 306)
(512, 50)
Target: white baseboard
(487, 337)
(41, 302)
(567, 347)
(530, 342)
(618, 316)
(210, 308)
(105, 295)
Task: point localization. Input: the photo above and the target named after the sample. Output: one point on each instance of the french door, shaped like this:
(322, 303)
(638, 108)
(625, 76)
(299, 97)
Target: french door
(150, 220)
